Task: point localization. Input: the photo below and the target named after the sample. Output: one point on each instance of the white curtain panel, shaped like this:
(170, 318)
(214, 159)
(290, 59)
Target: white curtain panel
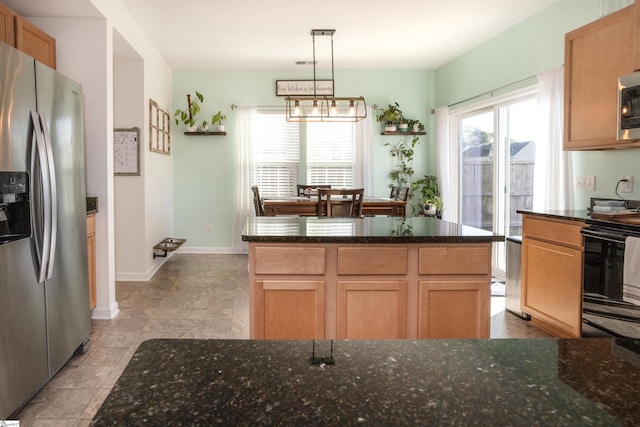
(363, 154)
(446, 155)
(245, 176)
(552, 185)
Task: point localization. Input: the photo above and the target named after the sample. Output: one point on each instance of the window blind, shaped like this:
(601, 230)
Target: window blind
(278, 154)
(330, 154)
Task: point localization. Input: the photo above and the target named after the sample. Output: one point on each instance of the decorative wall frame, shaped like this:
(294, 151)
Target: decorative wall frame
(304, 87)
(159, 129)
(126, 151)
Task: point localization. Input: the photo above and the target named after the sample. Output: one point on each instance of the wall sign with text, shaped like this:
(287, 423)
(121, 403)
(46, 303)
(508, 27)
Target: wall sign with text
(303, 87)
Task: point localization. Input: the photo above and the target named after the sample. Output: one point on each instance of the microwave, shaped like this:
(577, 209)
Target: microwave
(629, 107)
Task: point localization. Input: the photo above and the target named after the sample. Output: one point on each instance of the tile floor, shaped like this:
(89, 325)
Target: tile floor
(191, 296)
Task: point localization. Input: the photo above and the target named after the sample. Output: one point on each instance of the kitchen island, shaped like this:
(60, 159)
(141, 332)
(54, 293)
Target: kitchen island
(367, 278)
(534, 382)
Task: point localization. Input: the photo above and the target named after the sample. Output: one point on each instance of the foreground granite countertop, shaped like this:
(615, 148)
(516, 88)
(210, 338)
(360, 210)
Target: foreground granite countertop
(362, 230)
(535, 382)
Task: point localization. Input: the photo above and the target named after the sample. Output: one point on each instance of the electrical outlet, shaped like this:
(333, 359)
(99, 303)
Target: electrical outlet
(208, 228)
(626, 186)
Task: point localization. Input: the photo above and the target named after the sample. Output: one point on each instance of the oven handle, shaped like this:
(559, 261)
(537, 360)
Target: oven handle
(604, 235)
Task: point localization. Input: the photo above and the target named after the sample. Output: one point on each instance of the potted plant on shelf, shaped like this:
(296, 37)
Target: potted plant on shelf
(390, 116)
(188, 116)
(218, 118)
(415, 126)
(430, 200)
(403, 125)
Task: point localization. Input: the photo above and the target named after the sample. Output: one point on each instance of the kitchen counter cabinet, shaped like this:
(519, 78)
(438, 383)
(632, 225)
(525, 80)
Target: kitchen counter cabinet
(552, 255)
(595, 55)
(360, 279)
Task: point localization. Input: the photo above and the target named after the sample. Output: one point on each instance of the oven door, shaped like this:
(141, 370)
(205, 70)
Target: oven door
(604, 313)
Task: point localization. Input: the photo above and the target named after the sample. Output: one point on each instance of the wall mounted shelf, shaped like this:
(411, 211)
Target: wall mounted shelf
(205, 133)
(403, 133)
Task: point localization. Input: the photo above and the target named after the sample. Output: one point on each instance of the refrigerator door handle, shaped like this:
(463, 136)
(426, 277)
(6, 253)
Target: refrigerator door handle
(53, 205)
(41, 216)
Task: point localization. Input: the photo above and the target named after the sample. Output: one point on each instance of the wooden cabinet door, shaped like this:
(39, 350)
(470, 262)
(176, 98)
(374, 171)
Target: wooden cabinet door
(35, 42)
(289, 309)
(373, 309)
(91, 253)
(595, 55)
(552, 285)
(453, 309)
(7, 32)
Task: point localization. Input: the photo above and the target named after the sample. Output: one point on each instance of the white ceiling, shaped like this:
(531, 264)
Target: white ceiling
(259, 34)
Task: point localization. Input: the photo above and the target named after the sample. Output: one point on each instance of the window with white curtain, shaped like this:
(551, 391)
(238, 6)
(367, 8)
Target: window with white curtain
(277, 154)
(330, 154)
(329, 148)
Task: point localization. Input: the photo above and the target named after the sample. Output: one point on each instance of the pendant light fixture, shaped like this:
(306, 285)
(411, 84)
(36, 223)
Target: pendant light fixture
(319, 108)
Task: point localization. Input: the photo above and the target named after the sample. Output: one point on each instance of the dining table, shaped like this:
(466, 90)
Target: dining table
(308, 206)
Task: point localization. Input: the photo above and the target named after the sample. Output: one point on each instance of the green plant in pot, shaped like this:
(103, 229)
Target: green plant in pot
(390, 116)
(218, 118)
(188, 116)
(415, 126)
(427, 188)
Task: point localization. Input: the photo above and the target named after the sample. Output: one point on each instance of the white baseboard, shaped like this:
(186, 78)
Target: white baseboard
(105, 313)
(143, 277)
(209, 250)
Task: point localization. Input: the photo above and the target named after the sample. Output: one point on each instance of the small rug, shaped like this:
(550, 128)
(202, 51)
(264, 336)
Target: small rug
(497, 289)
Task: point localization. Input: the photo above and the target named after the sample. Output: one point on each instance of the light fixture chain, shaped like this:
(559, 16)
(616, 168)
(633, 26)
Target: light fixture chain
(314, 64)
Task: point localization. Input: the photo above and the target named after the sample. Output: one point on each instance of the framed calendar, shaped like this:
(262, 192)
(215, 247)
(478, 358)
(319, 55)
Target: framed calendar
(126, 151)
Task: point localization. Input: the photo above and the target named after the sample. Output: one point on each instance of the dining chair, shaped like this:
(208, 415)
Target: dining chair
(399, 193)
(345, 202)
(302, 188)
(257, 201)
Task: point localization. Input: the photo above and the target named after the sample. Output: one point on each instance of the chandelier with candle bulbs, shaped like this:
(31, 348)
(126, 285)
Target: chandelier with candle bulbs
(319, 108)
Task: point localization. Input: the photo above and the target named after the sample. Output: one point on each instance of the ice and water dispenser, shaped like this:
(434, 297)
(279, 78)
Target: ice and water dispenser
(15, 218)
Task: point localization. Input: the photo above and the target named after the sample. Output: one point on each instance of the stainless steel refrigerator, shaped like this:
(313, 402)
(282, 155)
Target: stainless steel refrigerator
(44, 294)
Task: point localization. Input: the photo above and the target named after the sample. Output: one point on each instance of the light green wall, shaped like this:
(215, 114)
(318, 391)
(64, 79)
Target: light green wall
(204, 166)
(526, 49)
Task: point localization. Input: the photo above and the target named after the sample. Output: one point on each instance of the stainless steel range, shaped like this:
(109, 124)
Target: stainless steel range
(609, 307)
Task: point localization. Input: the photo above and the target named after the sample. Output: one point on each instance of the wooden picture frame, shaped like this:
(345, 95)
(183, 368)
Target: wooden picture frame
(303, 87)
(126, 151)
(159, 129)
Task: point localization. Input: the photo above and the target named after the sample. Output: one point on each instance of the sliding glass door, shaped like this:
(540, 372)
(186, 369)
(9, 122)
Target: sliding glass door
(497, 152)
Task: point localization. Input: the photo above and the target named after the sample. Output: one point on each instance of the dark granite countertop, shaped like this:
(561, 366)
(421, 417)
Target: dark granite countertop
(516, 382)
(569, 215)
(298, 229)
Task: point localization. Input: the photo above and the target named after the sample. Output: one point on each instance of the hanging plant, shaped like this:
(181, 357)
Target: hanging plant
(188, 116)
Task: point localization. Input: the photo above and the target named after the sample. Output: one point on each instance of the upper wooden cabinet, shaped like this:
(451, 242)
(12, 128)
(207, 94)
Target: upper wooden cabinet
(26, 37)
(7, 32)
(595, 55)
(35, 42)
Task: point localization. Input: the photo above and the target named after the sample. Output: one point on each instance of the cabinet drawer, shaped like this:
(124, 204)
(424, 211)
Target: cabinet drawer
(376, 261)
(455, 259)
(91, 225)
(290, 260)
(555, 231)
